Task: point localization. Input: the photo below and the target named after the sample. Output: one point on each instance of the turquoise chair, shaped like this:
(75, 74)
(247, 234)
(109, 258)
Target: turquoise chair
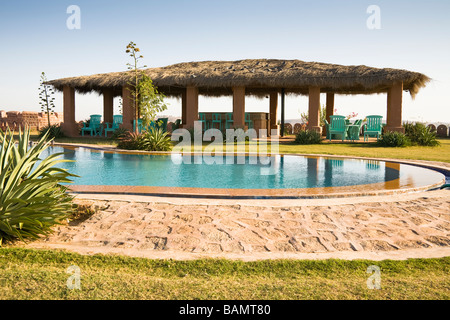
(94, 127)
(373, 127)
(176, 125)
(139, 125)
(117, 121)
(162, 123)
(248, 121)
(229, 121)
(354, 130)
(327, 127)
(202, 119)
(338, 126)
(216, 119)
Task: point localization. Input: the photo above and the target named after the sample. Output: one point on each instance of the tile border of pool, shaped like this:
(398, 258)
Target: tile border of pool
(376, 189)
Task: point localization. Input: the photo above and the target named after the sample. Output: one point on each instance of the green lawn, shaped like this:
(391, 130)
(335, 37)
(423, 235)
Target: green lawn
(36, 274)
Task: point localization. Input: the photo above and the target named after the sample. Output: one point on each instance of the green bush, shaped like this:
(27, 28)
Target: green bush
(54, 132)
(157, 140)
(32, 199)
(421, 135)
(308, 137)
(394, 139)
(119, 133)
(153, 140)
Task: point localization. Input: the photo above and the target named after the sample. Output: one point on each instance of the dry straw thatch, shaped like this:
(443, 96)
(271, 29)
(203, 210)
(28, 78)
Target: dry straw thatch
(259, 76)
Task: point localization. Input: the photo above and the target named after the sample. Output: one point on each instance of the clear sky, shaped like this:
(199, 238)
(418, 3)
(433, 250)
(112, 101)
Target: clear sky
(414, 35)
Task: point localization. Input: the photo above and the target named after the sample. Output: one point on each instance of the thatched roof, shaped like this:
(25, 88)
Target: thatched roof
(259, 76)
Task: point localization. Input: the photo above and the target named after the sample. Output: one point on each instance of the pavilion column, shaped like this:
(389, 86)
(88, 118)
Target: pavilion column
(314, 109)
(183, 107)
(273, 111)
(108, 105)
(191, 107)
(329, 107)
(394, 108)
(69, 126)
(128, 111)
(239, 107)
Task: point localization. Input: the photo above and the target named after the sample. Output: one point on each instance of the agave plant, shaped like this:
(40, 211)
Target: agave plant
(157, 140)
(32, 199)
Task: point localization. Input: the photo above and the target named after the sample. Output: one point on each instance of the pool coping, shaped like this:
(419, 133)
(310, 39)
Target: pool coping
(210, 193)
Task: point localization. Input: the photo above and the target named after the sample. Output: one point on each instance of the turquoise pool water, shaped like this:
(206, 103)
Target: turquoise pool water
(102, 168)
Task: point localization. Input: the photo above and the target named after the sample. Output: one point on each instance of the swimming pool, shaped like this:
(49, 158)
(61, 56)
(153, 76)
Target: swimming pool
(245, 176)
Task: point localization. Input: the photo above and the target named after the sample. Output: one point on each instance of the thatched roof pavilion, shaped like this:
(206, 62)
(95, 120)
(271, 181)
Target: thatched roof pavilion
(255, 77)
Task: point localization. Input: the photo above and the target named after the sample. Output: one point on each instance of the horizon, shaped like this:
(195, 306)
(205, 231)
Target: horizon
(411, 36)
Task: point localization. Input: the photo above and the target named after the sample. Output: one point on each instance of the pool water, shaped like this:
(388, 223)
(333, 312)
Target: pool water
(284, 172)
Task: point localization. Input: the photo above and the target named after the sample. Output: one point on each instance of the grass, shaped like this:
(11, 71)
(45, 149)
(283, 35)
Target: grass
(40, 274)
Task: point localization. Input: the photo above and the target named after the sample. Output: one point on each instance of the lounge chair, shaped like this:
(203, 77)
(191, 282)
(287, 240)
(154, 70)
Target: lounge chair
(202, 119)
(373, 127)
(162, 123)
(117, 121)
(94, 127)
(248, 121)
(139, 125)
(229, 121)
(216, 119)
(176, 125)
(337, 126)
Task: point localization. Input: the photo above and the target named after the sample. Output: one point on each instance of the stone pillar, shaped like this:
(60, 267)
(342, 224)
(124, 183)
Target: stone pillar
(239, 107)
(314, 109)
(191, 113)
(273, 110)
(69, 126)
(394, 108)
(128, 111)
(183, 107)
(108, 105)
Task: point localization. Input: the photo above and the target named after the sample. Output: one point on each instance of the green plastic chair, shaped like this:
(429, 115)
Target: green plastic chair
(216, 118)
(229, 121)
(337, 126)
(248, 121)
(354, 130)
(373, 127)
(162, 123)
(176, 125)
(202, 119)
(117, 121)
(139, 125)
(94, 127)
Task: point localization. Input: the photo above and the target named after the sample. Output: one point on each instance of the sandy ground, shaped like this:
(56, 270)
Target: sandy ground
(376, 228)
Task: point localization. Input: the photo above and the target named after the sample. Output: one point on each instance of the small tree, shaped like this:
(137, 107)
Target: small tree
(146, 98)
(323, 115)
(47, 101)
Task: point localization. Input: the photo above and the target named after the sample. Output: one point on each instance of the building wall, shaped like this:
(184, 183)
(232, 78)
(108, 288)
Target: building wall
(35, 120)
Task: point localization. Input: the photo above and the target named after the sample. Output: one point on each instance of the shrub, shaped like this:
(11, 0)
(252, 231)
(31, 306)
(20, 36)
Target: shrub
(394, 139)
(157, 140)
(420, 134)
(308, 137)
(131, 141)
(153, 140)
(32, 199)
(119, 133)
(54, 132)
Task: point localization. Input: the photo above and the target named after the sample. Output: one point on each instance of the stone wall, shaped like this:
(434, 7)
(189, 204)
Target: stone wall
(35, 120)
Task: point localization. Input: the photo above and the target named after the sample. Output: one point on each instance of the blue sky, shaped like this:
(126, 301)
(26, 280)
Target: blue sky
(414, 35)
